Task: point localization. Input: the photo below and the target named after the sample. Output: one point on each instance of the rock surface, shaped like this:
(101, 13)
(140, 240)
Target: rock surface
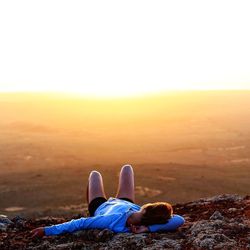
(219, 222)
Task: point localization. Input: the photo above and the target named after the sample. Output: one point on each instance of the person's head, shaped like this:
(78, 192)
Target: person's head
(156, 213)
(152, 213)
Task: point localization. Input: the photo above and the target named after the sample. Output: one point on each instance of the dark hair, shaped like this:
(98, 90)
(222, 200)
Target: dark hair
(156, 213)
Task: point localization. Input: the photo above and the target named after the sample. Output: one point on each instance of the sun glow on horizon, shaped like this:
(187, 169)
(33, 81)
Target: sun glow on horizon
(120, 49)
(110, 92)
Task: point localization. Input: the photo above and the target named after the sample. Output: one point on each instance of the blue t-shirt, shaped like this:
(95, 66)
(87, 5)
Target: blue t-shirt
(113, 215)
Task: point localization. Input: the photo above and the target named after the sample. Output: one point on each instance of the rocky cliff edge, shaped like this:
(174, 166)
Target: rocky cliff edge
(219, 222)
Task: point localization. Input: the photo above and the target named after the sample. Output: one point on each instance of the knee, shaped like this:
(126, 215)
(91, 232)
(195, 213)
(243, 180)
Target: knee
(127, 168)
(95, 174)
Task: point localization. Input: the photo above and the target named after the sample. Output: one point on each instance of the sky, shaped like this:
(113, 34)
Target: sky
(115, 48)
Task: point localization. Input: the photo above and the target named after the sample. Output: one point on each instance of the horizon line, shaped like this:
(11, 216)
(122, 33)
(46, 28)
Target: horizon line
(136, 95)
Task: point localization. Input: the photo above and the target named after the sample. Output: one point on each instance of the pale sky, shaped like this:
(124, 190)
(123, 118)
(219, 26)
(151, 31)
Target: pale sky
(124, 47)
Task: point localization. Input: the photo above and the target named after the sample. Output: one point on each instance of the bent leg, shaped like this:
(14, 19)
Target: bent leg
(126, 183)
(95, 186)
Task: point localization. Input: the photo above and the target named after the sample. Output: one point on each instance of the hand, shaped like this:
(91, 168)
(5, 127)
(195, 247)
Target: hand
(138, 229)
(38, 232)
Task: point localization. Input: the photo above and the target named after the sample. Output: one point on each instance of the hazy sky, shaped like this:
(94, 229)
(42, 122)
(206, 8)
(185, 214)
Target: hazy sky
(124, 47)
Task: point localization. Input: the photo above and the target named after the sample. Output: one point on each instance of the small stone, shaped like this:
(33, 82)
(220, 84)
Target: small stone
(65, 246)
(19, 221)
(95, 234)
(5, 220)
(3, 227)
(216, 216)
(225, 197)
(207, 243)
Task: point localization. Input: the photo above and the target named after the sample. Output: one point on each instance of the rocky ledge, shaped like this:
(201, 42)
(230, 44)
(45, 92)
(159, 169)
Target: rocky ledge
(219, 222)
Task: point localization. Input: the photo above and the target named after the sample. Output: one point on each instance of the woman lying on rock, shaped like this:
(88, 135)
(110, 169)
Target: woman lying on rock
(118, 214)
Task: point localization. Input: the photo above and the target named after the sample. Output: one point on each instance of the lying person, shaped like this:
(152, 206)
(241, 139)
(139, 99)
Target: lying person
(118, 214)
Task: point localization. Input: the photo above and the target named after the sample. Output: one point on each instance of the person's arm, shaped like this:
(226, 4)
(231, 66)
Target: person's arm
(99, 222)
(173, 223)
